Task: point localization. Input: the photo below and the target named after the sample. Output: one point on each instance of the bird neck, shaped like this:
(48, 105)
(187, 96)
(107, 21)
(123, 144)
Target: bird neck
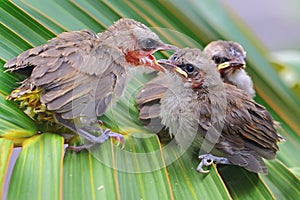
(241, 80)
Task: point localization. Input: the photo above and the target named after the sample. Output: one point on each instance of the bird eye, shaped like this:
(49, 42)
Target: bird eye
(189, 68)
(216, 59)
(149, 44)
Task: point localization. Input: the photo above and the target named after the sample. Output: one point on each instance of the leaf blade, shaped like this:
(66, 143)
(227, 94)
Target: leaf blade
(38, 169)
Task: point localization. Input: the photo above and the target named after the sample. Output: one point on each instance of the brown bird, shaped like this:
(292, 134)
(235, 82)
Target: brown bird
(199, 108)
(229, 58)
(77, 74)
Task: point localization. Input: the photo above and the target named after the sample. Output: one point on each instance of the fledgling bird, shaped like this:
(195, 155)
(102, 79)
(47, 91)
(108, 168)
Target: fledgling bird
(229, 58)
(77, 74)
(200, 107)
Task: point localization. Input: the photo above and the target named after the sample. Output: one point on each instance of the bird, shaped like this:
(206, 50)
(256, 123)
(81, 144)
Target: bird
(223, 120)
(76, 75)
(229, 58)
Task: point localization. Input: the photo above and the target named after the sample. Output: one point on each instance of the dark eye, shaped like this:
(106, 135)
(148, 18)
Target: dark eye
(189, 68)
(217, 59)
(149, 44)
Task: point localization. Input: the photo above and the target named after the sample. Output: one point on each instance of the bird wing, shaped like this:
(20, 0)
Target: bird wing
(246, 126)
(248, 132)
(82, 50)
(148, 98)
(76, 71)
(153, 90)
(251, 123)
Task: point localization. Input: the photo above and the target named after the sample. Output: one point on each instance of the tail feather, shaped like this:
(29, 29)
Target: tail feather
(249, 161)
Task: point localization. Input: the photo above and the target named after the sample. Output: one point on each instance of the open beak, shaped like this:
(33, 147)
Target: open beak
(167, 65)
(146, 58)
(164, 47)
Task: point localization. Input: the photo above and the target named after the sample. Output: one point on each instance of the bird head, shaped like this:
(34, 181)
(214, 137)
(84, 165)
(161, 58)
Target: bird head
(194, 67)
(228, 56)
(137, 42)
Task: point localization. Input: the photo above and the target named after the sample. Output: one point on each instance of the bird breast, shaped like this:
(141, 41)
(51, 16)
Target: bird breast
(179, 113)
(242, 80)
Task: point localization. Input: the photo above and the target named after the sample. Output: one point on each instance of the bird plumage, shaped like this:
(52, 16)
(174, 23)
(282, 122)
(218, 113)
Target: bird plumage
(78, 73)
(221, 52)
(234, 55)
(226, 117)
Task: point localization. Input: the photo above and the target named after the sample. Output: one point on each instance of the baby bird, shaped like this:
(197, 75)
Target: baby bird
(224, 121)
(76, 75)
(229, 58)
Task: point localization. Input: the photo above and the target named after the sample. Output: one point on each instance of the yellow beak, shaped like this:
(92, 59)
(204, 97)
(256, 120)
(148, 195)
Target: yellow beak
(180, 71)
(231, 64)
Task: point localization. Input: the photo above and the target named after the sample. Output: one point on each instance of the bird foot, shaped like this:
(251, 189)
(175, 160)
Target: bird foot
(100, 139)
(84, 132)
(109, 134)
(208, 159)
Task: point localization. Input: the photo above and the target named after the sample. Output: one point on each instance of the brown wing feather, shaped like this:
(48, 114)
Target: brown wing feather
(148, 98)
(248, 133)
(82, 50)
(153, 90)
(75, 70)
(249, 120)
(149, 111)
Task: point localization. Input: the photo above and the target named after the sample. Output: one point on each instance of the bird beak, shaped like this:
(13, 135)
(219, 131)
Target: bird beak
(236, 64)
(146, 58)
(167, 65)
(163, 47)
(166, 47)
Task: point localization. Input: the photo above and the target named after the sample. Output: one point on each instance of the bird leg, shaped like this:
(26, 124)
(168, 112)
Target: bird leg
(105, 135)
(208, 159)
(95, 128)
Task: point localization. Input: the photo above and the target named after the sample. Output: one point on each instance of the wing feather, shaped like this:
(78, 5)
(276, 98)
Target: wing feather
(76, 71)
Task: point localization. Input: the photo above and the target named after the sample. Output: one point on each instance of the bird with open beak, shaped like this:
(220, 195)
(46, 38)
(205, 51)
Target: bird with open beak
(229, 58)
(76, 74)
(200, 107)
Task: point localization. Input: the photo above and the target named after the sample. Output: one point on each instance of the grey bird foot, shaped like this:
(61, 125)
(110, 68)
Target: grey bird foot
(109, 134)
(90, 138)
(98, 140)
(208, 159)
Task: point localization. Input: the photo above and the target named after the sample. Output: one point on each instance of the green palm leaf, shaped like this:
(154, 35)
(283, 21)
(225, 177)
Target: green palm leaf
(42, 171)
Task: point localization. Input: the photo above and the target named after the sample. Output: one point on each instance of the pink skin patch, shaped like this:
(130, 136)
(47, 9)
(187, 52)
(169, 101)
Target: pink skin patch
(145, 58)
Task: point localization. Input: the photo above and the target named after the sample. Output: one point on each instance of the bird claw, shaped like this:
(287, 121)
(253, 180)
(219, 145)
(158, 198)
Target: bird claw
(106, 134)
(109, 134)
(208, 159)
